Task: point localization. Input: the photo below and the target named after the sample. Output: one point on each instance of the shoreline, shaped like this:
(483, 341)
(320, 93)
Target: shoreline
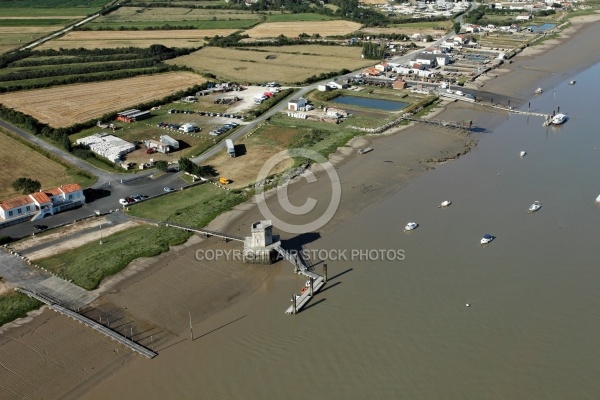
(355, 173)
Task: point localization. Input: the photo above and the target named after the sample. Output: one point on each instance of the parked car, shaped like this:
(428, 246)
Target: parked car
(40, 227)
(126, 200)
(139, 197)
(168, 189)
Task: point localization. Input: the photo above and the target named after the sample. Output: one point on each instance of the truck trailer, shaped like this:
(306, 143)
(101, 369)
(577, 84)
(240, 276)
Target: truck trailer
(230, 147)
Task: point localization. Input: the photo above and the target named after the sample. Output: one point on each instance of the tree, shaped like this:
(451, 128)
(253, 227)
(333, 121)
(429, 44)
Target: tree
(26, 185)
(161, 165)
(429, 38)
(185, 164)
(457, 27)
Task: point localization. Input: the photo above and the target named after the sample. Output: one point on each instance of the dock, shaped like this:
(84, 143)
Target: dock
(205, 232)
(316, 281)
(90, 323)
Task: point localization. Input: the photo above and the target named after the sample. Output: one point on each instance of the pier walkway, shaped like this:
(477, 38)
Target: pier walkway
(317, 281)
(206, 232)
(90, 323)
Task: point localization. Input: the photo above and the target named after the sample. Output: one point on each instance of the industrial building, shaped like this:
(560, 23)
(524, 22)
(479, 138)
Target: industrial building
(107, 146)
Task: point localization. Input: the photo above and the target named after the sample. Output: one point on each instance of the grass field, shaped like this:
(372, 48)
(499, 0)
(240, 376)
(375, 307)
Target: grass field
(65, 105)
(90, 263)
(20, 160)
(291, 63)
(15, 305)
(144, 18)
(113, 39)
(14, 37)
(298, 17)
(195, 207)
(294, 29)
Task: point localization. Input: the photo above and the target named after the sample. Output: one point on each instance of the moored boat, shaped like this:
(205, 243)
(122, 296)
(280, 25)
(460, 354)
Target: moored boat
(410, 226)
(535, 206)
(445, 203)
(523, 153)
(558, 119)
(486, 238)
(598, 199)
(539, 90)
(572, 82)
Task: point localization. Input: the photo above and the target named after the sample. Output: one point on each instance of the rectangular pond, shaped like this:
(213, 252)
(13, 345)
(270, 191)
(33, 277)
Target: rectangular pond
(387, 105)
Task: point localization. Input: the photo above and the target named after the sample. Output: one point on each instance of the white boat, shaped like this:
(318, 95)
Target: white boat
(410, 226)
(523, 153)
(598, 199)
(445, 203)
(539, 90)
(558, 119)
(535, 206)
(572, 82)
(486, 238)
(365, 150)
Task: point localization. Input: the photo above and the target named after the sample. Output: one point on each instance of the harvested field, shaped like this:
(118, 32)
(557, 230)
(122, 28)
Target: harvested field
(294, 29)
(282, 65)
(65, 105)
(19, 161)
(112, 39)
(12, 37)
(402, 30)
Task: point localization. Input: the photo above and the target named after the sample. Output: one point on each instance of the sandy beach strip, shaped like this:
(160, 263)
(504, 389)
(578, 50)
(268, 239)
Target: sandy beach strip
(154, 295)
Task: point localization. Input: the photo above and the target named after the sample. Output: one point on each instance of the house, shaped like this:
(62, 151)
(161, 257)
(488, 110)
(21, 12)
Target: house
(41, 204)
(460, 40)
(442, 59)
(399, 84)
(427, 59)
(383, 67)
(294, 105)
(372, 71)
(132, 115)
(323, 88)
(524, 17)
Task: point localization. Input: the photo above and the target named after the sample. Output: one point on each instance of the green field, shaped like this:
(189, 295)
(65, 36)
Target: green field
(34, 22)
(194, 207)
(89, 264)
(218, 24)
(298, 17)
(15, 305)
(40, 5)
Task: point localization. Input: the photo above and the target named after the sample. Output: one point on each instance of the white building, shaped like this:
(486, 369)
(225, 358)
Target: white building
(41, 204)
(107, 146)
(294, 105)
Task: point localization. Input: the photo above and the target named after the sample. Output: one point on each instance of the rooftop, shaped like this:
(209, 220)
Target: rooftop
(16, 202)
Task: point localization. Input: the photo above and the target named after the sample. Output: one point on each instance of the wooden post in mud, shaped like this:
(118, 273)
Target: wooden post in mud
(294, 310)
(325, 273)
(191, 330)
(312, 280)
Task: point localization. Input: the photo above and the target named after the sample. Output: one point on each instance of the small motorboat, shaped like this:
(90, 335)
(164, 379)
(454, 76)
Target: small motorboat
(598, 199)
(410, 226)
(572, 82)
(558, 119)
(523, 153)
(535, 206)
(486, 238)
(365, 150)
(539, 90)
(445, 203)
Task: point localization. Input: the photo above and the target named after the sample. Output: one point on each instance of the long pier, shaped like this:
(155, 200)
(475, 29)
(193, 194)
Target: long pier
(90, 323)
(206, 232)
(316, 281)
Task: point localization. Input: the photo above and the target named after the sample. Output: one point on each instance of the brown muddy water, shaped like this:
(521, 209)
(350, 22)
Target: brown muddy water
(387, 329)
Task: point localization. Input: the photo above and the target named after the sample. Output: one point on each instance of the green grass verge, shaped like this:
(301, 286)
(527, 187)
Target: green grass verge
(87, 265)
(36, 22)
(34, 8)
(15, 305)
(194, 207)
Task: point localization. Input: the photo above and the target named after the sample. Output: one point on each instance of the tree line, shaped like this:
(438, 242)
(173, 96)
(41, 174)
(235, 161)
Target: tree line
(373, 51)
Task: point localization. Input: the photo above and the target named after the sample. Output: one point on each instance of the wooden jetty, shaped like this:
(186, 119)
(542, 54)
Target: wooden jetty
(90, 323)
(316, 281)
(206, 232)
